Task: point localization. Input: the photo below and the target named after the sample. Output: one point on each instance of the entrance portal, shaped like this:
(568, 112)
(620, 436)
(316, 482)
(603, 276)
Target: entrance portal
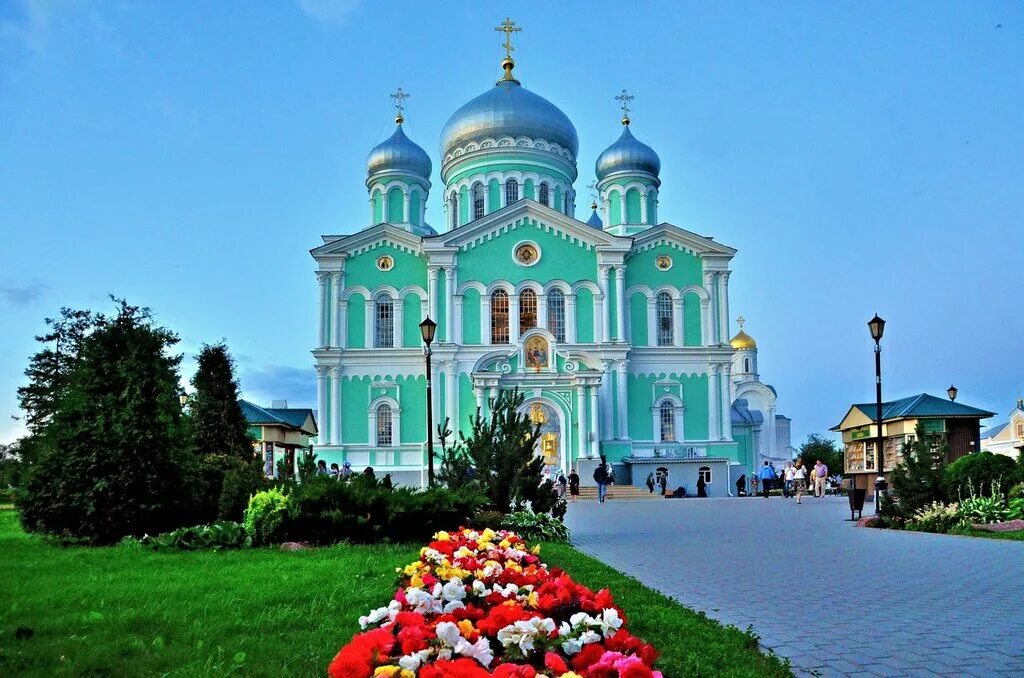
(549, 444)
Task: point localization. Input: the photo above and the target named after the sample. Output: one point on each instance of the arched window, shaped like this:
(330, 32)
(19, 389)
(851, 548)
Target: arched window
(705, 473)
(663, 311)
(384, 317)
(511, 191)
(527, 310)
(568, 201)
(384, 417)
(478, 201)
(453, 210)
(746, 364)
(499, 317)
(667, 420)
(542, 194)
(556, 314)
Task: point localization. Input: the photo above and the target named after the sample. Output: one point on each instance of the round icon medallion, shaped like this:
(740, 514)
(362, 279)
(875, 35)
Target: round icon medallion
(663, 262)
(386, 262)
(527, 254)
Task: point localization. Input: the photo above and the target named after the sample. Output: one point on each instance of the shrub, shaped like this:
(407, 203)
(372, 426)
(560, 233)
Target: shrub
(1015, 509)
(918, 481)
(487, 518)
(325, 511)
(241, 482)
(982, 510)
(981, 470)
(1016, 492)
(220, 535)
(266, 513)
(936, 517)
(536, 526)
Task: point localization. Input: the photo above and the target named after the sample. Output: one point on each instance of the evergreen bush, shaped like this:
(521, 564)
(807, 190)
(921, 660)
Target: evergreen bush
(265, 514)
(982, 470)
(918, 481)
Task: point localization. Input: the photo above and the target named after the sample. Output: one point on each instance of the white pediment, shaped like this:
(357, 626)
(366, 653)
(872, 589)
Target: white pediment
(666, 233)
(369, 238)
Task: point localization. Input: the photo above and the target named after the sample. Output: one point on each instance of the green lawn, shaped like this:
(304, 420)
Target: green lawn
(128, 612)
(985, 534)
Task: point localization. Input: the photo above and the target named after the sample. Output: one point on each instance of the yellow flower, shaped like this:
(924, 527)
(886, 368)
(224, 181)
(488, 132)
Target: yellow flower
(466, 627)
(535, 550)
(571, 674)
(487, 535)
(504, 543)
(389, 671)
(531, 599)
(442, 536)
(416, 581)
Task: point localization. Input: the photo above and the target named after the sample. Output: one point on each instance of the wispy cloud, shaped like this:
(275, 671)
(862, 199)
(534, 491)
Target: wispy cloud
(297, 385)
(22, 295)
(329, 11)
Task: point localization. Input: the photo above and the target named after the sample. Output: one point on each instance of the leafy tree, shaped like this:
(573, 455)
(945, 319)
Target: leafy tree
(110, 463)
(500, 451)
(982, 471)
(919, 479)
(49, 370)
(821, 447)
(215, 416)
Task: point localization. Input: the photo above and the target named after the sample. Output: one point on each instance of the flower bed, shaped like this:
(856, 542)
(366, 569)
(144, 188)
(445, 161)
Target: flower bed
(483, 604)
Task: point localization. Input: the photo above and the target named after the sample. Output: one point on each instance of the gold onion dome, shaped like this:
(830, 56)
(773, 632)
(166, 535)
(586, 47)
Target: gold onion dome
(742, 340)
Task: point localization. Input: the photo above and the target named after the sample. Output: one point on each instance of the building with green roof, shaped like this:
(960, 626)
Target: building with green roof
(280, 432)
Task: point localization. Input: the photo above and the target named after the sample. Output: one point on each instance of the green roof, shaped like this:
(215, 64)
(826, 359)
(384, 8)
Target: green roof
(923, 406)
(292, 417)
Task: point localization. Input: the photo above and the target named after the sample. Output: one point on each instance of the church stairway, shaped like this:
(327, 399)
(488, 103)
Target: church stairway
(624, 492)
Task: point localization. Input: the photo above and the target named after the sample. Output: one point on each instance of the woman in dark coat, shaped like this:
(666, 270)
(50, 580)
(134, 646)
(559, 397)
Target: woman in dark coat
(574, 485)
(741, 486)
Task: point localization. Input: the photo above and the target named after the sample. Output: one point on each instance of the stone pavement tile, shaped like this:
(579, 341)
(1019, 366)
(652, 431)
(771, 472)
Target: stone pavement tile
(842, 666)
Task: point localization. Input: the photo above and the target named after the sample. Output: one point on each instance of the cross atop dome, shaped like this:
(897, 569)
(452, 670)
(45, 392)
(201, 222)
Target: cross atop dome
(399, 96)
(624, 100)
(508, 27)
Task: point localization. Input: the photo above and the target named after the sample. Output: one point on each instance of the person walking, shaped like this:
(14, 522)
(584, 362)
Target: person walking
(574, 485)
(702, 486)
(741, 486)
(787, 480)
(650, 482)
(601, 478)
(561, 484)
(820, 474)
(664, 483)
(754, 482)
(766, 475)
(799, 480)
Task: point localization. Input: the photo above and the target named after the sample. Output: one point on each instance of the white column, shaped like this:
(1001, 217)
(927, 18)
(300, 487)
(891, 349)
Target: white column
(336, 405)
(723, 305)
(570, 318)
(513, 318)
(726, 403)
(677, 322)
(705, 322)
(622, 406)
(622, 207)
(423, 210)
(594, 425)
(714, 425)
(542, 311)
(449, 293)
(652, 322)
(451, 392)
(643, 208)
(399, 323)
(620, 303)
(478, 393)
(602, 281)
(337, 282)
(342, 324)
(599, 328)
(607, 424)
(606, 212)
(406, 200)
(372, 215)
(485, 319)
(712, 290)
(321, 402)
(457, 321)
(581, 421)
(368, 323)
(321, 278)
(432, 292)
(769, 428)
(758, 449)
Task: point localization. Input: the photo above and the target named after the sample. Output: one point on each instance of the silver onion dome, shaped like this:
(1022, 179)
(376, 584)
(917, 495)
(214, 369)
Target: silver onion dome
(508, 110)
(629, 156)
(397, 154)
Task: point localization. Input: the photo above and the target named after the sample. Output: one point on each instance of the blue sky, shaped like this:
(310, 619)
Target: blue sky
(862, 157)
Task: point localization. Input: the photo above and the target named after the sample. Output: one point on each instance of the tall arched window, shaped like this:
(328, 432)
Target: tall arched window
(384, 418)
(453, 209)
(527, 310)
(542, 194)
(667, 419)
(384, 318)
(705, 473)
(568, 202)
(478, 201)
(511, 191)
(556, 314)
(499, 317)
(746, 364)
(663, 311)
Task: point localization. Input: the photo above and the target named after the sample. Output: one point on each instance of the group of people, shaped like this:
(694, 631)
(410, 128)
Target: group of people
(570, 484)
(795, 480)
(344, 472)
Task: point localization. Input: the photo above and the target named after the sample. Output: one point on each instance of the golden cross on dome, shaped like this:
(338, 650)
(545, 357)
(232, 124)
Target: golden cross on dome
(508, 27)
(624, 100)
(740, 322)
(399, 96)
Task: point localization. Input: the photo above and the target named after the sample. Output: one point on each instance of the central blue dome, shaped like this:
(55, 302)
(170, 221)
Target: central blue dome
(508, 110)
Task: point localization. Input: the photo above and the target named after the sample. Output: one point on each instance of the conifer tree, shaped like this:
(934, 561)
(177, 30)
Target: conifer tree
(215, 414)
(919, 479)
(109, 466)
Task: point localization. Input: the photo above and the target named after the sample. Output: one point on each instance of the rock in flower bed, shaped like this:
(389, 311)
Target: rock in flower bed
(482, 604)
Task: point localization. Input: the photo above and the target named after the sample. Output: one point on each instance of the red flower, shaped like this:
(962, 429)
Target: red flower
(514, 671)
(555, 663)
(590, 654)
(413, 639)
(358, 657)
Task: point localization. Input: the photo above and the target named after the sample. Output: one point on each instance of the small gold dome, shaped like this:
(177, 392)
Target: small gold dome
(742, 340)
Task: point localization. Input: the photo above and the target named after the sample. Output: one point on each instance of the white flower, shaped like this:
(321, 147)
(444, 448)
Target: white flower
(589, 637)
(452, 606)
(453, 590)
(411, 662)
(448, 633)
(609, 621)
(523, 633)
(580, 618)
(421, 601)
(480, 650)
(571, 646)
(479, 588)
(375, 617)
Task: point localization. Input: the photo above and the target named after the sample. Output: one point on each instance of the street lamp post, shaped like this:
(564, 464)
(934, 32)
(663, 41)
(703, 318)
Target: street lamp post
(951, 392)
(877, 326)
(427, 329)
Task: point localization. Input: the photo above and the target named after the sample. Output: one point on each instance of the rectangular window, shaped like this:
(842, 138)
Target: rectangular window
(556, 314)
(385, 318)
(668, 423)
(527, 311)
(663, 311)
(384, 438)
(499, 317)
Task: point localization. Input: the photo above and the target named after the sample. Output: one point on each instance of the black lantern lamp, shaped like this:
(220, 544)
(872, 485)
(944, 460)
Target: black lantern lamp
(427, 329)
(877, 327)
(951, 392)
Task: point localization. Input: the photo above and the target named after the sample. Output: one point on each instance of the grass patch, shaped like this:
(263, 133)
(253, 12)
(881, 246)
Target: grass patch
(985, 534)
(122, 611)
(691, 643)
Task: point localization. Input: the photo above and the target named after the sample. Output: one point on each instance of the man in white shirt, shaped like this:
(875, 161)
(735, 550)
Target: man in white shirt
(787, 475)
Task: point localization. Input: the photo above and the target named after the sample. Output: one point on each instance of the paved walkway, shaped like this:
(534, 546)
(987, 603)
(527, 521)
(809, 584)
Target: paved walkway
(908, 604)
